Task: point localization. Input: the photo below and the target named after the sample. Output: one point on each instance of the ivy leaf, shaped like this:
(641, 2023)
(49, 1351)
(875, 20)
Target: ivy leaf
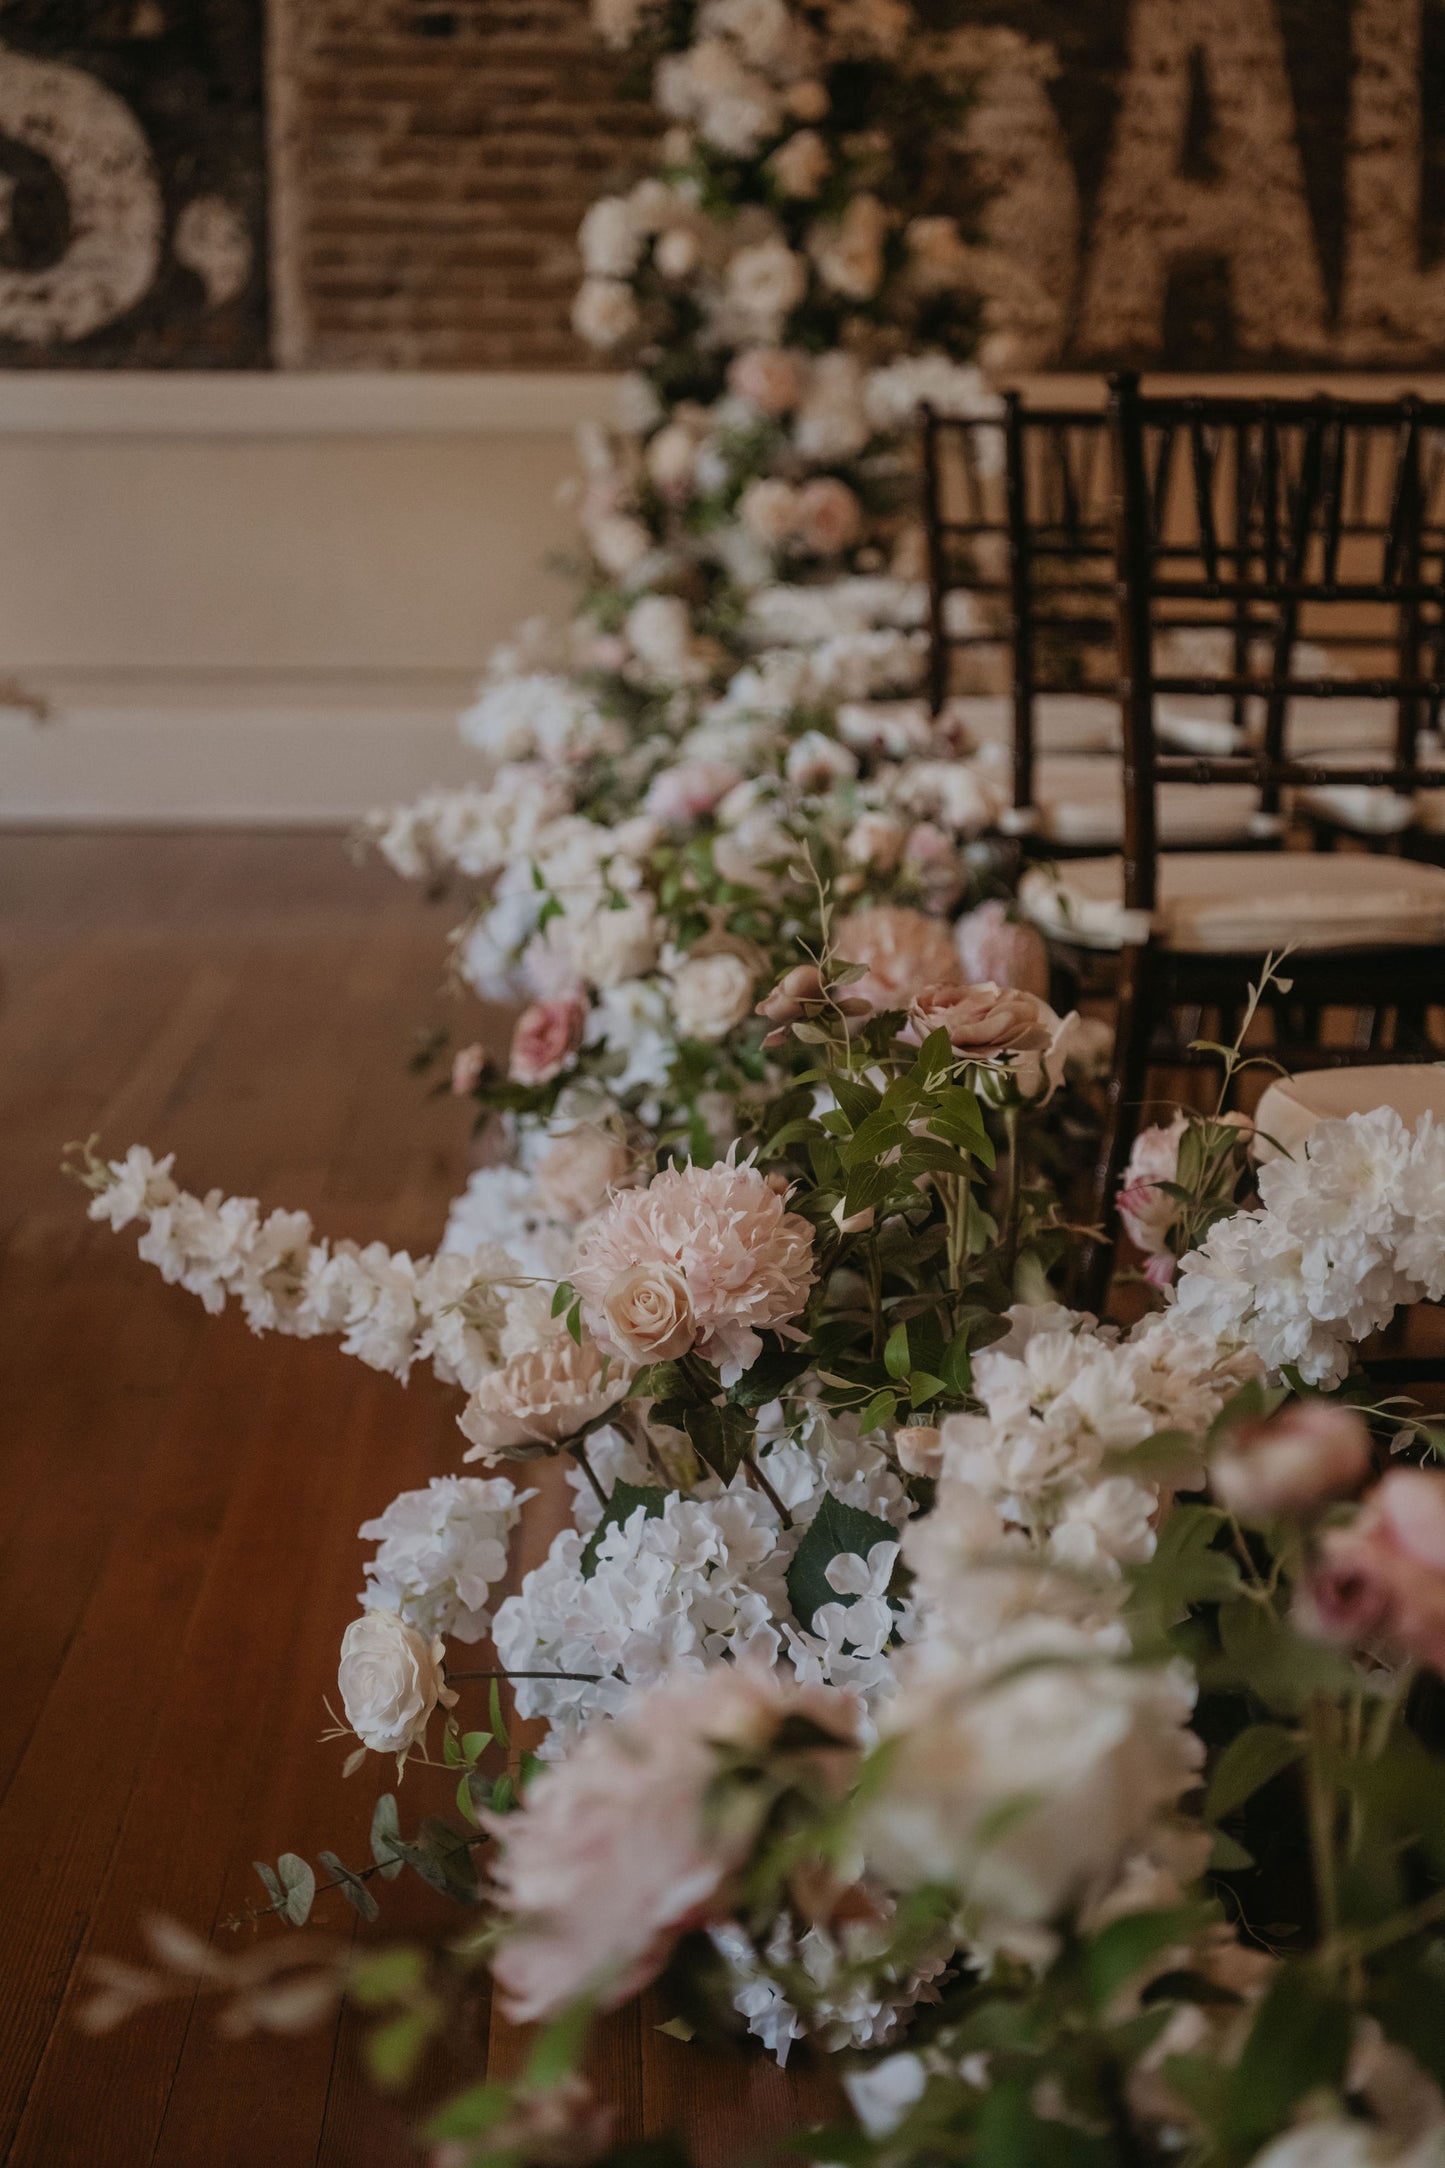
(836, 1528)
(298, 1880)
(626, 1499)
(1249, 1761)
(721, 1436)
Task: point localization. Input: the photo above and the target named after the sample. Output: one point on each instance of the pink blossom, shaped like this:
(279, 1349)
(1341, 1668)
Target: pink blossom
(614, 1855)
(768, 377)
(901, 952)
(689, 791)
(1385, 1574)
(546, 1038)
(1290, 1466)
(827, 517)
(1147, 1211)
(469, 1066)
(993, 946)
(741, 1258)
(930, 857)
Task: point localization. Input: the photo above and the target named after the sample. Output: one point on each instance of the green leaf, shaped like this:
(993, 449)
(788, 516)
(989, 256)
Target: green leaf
(494, 1714)
(879, 1413)
(857, 1100)
(896, 1358)
(394, 2049)
(1250, 1760)
(835, 1529)
(475, 1744)
(678, 2028)
(299, 1882)
(1229, 1855)
(661, 1381)
(390, 1976)
(721, 1436)
(1123, 1949)
(385, 1832)
(274, 1890)
(470, 2114)
(627, 1499)
(1300, 2040)
(352, 1888)
(564, 1295)
(556, 2051)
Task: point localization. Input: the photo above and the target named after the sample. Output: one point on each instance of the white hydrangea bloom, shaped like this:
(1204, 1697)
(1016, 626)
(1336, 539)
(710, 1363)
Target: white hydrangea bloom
(539, 716)
(440, 1553)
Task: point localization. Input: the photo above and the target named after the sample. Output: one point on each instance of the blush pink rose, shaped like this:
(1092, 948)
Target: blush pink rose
(1147, 1211)
(546, 1039)
(985, 1021)
(991, 945)
(1384, 1575)
(1290, 1466)
(768, 377)
(827, 517)
(690, 790)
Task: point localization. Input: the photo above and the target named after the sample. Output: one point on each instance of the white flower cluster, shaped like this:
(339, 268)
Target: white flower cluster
(461, 1312)
(1345, 1233)
(702, 1581)
(440, 1552)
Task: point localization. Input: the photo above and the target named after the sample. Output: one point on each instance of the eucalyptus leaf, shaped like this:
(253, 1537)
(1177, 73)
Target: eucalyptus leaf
(298, 1880)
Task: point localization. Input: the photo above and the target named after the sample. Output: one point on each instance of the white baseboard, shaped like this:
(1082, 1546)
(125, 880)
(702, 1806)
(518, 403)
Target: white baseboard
(229, 748)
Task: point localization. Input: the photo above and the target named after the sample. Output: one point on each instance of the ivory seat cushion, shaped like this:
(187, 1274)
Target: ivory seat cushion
(1063, 722)
(1227, 903)
(1290, 1108)
(1080, 803)
(1367, 810)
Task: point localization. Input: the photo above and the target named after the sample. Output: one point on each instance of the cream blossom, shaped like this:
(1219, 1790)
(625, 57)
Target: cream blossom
(613, 1854)
(849, 251)
(538, 1397)
(765, 283)
(901, 952)
(768, 508)
(801, 165)
(768, 377)
(391, 1679)
(712, 994)
(604, 312)
(1291, 1466)
(580, 1169)
(744, 1259)
(827, 517)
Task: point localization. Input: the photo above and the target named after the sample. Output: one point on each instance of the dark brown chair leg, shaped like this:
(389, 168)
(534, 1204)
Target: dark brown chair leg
(1133, 1032)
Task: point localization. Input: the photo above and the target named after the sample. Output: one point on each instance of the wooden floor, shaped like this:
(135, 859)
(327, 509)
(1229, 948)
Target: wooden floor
(179, 1501)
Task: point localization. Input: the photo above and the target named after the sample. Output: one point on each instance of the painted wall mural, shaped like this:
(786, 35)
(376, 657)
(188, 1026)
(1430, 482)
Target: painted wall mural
(132, 184)
(1203, 184)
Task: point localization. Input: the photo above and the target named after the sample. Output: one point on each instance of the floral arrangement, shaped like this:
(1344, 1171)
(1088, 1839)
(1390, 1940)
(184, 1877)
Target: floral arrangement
(1037, 1714)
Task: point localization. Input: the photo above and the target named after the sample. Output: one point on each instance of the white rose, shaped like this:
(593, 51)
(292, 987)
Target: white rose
(660, 631)
(607, 946)
(608, 239)
(676, 253)
(649, 1313)
(768, 508)
(604, 312)
(672, 458)
(618, 543)
(849, 251)
(390, 1679)
(765, 283)
(711, 995)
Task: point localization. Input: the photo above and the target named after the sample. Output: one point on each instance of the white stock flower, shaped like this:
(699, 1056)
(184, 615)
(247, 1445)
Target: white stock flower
(440, 1552)
(391, 1679)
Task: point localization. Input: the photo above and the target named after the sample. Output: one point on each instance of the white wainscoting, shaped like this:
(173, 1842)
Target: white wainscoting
(264, 598)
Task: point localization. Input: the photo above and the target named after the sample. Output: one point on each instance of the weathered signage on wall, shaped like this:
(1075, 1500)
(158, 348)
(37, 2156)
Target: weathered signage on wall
(132, 184)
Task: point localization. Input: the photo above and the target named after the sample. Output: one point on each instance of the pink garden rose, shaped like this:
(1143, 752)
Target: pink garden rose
(1292, 1465)
(1147, 1211)
(546, 1039)
(993, 946)
(996, 1024)
(768, 377)
(901, 952)
(614, 1854)
(1384, 1575)
(734, 1257)
(687, 792)
(827, 517)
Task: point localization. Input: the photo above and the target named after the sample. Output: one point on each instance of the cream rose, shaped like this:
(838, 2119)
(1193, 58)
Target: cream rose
(711, 995)
(579, 1171)
(538, 1398)
(390, 1679)
(649, 1313)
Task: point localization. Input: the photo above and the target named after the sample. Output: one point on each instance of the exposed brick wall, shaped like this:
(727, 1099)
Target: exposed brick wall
(433, 160)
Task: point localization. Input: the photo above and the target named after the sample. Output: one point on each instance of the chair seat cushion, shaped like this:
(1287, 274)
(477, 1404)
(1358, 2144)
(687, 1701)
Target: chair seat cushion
(1063, 722)
(1292, 1105)
(1080, 803)
(1314, 726)
(1228, 903)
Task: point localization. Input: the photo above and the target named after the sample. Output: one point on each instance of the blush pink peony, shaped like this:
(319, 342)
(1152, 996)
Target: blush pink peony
(827, 517)
(615, 1854)
(546, 1038)
(1147, 1211)
(538, 1398)
(901, 952)
(742, 1259)
(993, 946)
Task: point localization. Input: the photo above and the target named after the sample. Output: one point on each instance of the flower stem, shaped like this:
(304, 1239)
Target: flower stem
(1011, 1206)
(756, 1475)
(579, 1453)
